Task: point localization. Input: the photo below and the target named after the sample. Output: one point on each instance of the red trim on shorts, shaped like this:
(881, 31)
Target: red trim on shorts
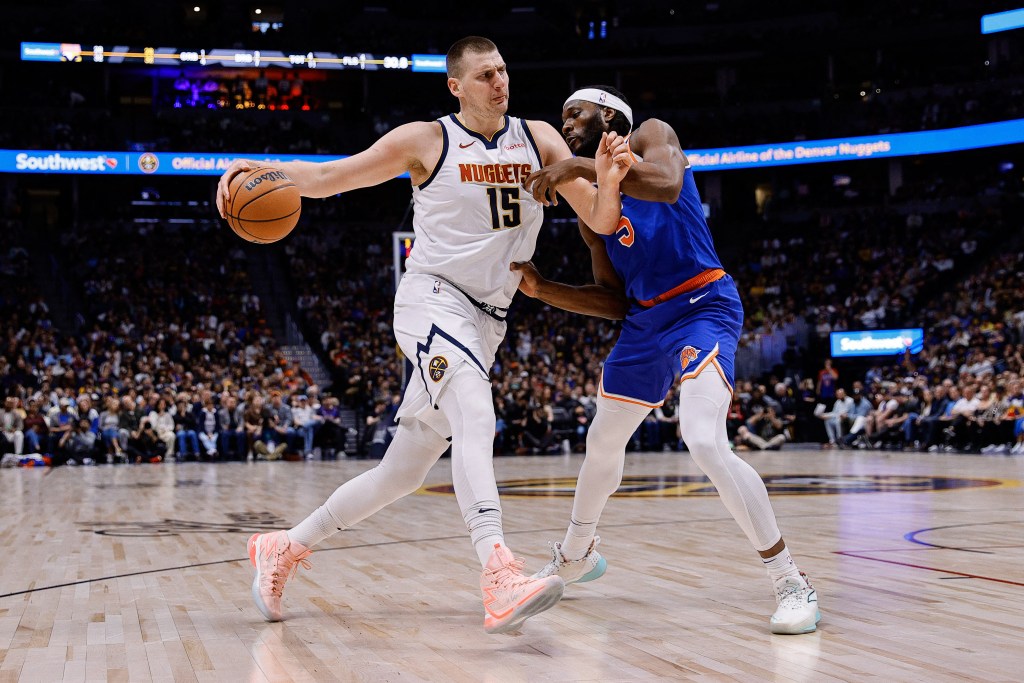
(695, 282)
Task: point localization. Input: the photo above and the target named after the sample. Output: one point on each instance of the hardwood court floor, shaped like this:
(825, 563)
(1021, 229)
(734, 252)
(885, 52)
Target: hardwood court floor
(140, 574)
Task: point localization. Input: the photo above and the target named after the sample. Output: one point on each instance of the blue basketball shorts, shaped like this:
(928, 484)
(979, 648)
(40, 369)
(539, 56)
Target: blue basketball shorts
(677, 338)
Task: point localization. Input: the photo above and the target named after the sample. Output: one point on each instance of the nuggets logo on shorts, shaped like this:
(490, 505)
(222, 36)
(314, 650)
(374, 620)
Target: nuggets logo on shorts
(438, 364)
(688, 354)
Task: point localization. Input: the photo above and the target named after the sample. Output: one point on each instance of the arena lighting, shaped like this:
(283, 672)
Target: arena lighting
(228, 57)
(877, 342)
(1002, 21)
(721, 159)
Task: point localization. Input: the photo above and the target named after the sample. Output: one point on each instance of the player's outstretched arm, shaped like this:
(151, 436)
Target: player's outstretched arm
(658, 178)
(413, 148)
(606, 298)
(600, 207)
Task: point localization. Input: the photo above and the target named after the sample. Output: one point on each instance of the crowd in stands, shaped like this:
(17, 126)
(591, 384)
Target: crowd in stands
(964, 391)
(171, 360)
(172, 356)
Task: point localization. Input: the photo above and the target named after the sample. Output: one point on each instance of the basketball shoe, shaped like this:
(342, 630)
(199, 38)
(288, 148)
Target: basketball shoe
(589, 567)
(798, 606)
(276, 559)
(510, 598)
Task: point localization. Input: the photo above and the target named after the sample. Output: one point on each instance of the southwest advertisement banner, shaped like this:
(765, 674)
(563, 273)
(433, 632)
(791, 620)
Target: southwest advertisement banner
(877, 342)
(722, 159)
(132, 163)
(864, 147)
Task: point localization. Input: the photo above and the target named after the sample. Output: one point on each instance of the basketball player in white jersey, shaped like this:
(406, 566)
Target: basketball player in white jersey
(472, 218)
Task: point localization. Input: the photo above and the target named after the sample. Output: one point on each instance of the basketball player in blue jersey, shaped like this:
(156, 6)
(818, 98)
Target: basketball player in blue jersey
(471, 220)
(657, 270)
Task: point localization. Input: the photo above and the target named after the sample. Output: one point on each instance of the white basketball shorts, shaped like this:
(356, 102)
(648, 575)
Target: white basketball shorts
(439, 330)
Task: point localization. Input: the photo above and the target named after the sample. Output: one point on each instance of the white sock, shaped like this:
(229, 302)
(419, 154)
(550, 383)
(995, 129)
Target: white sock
(578, 538)
(315, 528)
(484, 523)
(780, 565)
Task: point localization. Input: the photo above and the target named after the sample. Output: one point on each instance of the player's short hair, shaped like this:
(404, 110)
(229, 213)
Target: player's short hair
(457, 51)
(619, 123)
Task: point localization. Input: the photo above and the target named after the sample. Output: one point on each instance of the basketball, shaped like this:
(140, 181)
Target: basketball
(263, 206)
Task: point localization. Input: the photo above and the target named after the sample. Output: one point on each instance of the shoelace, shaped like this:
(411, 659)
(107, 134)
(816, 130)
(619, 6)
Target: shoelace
(284, 569)
(556, 553)
(510, 575)
(791, 591)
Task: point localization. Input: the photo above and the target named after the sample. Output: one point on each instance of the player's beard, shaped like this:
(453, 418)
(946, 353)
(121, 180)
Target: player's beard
(590, 140)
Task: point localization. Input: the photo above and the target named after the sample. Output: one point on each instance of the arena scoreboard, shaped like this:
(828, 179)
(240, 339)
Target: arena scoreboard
(77, 53)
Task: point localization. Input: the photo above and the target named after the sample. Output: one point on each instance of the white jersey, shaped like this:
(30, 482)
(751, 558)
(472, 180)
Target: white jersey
(472, 217)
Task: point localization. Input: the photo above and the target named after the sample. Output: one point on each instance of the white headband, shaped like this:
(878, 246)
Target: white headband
(602, 99)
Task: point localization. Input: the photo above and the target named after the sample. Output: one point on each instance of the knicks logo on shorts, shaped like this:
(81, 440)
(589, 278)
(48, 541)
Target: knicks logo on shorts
(687, 355)
(438, 364)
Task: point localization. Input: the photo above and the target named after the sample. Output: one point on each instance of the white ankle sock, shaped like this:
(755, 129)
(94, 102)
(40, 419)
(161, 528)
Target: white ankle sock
(578, 538)
(484, 523)
(780, 565)
(315, 528)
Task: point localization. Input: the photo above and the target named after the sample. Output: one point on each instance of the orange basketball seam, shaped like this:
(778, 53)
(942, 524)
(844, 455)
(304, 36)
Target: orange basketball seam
(241, 184)
(268, 192)
(263, 220)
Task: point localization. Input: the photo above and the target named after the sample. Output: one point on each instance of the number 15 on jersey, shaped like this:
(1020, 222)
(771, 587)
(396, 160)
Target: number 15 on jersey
(504, 212)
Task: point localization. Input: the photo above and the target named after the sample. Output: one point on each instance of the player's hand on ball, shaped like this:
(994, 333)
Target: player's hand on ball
(223, 194)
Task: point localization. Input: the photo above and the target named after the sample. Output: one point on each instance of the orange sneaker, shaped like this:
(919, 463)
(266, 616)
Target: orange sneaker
(276, 559)
(510, 598)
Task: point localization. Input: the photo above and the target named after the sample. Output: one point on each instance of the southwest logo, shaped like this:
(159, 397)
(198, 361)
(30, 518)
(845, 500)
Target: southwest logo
(688, 354)
(438, 365)
(112, 163)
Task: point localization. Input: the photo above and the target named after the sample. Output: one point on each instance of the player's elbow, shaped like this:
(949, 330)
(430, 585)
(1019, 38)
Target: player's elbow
(615, 307)
(620, 311)
(668, 191)
(668, 197)
(602, 227)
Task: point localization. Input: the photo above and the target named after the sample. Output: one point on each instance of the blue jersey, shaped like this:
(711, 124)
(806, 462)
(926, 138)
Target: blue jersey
(659, 246)
(687, 316)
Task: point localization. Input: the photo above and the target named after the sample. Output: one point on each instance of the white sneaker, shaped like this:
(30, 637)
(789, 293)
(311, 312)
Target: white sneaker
(798, 606)
(589, 567)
